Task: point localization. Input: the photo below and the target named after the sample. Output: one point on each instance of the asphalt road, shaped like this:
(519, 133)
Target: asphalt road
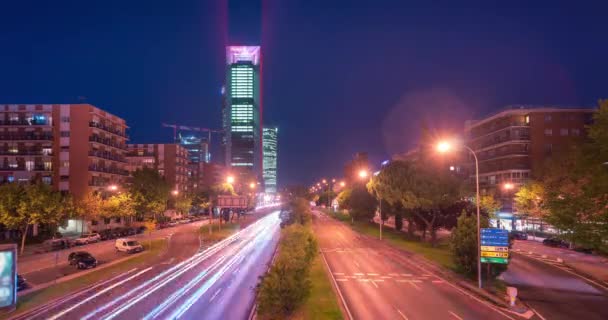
(44, 267)
(216, 283)
(553, 292)
(378, 282)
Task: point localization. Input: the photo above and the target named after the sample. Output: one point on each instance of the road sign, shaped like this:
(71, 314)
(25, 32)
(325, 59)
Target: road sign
(494, 248)
(490, 254)
(494, 260)
(494, 245)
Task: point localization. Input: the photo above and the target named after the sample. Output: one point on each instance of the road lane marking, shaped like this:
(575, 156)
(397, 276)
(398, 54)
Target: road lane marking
(414, 285)
(437, 281)
(386, 277)
(401, 314)
(406, 274)
(393, 274)
(350, 316)
(378, 280)
(57, 315)
(343, 280)
(372, 274)
(374, 283)
(215, 294)
(358, 274)
(338, 273)
(357, 264)
(455, 315)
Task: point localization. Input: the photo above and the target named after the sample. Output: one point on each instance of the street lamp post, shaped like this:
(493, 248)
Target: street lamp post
(445, 147)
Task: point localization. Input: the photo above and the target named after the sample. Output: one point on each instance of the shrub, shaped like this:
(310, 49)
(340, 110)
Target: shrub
(287, 285)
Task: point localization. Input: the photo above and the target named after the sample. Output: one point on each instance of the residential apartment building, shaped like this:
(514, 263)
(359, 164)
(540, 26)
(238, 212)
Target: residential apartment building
(512, 145)
(74, 147)
(171, 161)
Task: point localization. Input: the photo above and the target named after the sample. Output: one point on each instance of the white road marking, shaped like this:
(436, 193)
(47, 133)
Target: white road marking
(455, 315)
(342, 280)
(406, 274)
(386, 277)
(363, 280)
(538, 314)
(437, 281)
(401, 314)
(372, 274)
(374, 283)
(338, 273)
(357, 264)
(393, 274)
(378, 280)
(358, 274)
(215, 294)
(414, 285)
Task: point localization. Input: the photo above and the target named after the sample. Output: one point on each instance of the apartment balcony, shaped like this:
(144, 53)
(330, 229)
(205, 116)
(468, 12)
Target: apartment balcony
(136, 154)
(26, 137)
(502, 155)
(107, 142)
(107, 129)
(4, 152)
(24, 123)
(117, 171)
(40, 167)
(107, 156)
(488, 129)
(498, 140)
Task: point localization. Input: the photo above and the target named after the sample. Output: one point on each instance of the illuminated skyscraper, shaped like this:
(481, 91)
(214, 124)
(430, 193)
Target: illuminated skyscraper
(270, 144)
(242, 110)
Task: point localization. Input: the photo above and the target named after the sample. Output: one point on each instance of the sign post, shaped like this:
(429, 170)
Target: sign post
(8, 277)
(494, 246)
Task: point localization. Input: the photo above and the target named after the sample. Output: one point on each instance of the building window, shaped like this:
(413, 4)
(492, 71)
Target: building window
(527, 119)
(47, 151)
(46, 180)
(10, 179)
(563, 132)
(65, 119)
(65, 164)
(575, 132)
(65, 148)
(548, 148)
(65, 134)
(48, 165)
(64, 178)
(548, 132)
(29, 165)
(13, 149)
(548, 118)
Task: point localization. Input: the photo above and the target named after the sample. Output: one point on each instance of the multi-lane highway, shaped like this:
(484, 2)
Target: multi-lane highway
(217, 283)
(378, 282)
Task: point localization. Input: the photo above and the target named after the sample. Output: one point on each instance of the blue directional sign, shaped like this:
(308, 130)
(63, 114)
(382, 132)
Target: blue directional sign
(494, 237)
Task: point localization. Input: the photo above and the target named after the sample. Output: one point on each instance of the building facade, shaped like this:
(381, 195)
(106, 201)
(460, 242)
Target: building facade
(73, 147)
(243, 140)
(270, 152)
(513, 145)
(171, 161)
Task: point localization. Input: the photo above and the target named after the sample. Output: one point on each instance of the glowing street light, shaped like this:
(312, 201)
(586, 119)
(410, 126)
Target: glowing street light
(508, 186)
(112, 187)
(342, 183)
(443, 146)
(230, 179)
(175, 192)
(252, 185)
(363, 173)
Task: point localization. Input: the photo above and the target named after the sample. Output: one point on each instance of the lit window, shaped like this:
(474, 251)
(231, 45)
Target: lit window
(527, 119)
(548, 132)
(29, 165)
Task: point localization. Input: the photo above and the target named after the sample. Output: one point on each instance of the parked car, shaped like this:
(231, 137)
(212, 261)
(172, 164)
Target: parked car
(131, 231)
(21, 283)
(88, 238)
(519, 235)
(106, 234)
(82, 260)
(555, 242)
(120, 232)
(128, 245)
(140, 229)
(56, 244)
(583, 249)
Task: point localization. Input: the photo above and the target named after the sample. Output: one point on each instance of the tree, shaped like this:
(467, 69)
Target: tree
(362, 204)
(24, 205)
(118, 205)
(343, 198)
(529, 200)
(88, 206)
(490, 204)
(149, 191)
(418, 188)
(183, 203)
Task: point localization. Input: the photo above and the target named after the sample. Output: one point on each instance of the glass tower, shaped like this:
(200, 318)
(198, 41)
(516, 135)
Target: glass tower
(242, 95)
(270, 144)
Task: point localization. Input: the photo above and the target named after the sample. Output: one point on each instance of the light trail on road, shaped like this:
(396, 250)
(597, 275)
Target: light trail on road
(214, 262)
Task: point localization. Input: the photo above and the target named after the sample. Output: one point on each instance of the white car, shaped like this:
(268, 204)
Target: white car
(87, 238)
(128, 245)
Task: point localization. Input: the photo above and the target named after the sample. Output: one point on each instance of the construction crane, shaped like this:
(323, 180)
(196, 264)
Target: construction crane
(177, 127)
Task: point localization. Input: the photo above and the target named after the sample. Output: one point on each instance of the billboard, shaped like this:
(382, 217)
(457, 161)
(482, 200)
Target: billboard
(8, 276)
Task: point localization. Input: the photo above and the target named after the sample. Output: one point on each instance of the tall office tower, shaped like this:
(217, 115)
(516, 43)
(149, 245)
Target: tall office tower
(243, 139)
(198, 147)
(269, 141)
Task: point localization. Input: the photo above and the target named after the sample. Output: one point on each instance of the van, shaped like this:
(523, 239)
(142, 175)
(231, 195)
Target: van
(128, 245)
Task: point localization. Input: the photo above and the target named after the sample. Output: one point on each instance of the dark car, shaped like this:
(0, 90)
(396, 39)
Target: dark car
(555, 242)
(519, 235)
(131, 231)
(107, 234)
(584, 249)
(21, 283)
(141, 229)
(120, 232)
(82, 260)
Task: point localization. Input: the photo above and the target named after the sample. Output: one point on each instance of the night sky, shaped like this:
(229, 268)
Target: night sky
(340, 78)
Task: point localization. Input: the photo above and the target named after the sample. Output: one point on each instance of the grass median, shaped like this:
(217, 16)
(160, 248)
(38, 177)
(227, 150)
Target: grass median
(55, 291)
(218, 232)
(322, 302)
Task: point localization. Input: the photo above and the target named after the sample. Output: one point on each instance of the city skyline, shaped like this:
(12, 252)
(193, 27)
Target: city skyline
(179, 79)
